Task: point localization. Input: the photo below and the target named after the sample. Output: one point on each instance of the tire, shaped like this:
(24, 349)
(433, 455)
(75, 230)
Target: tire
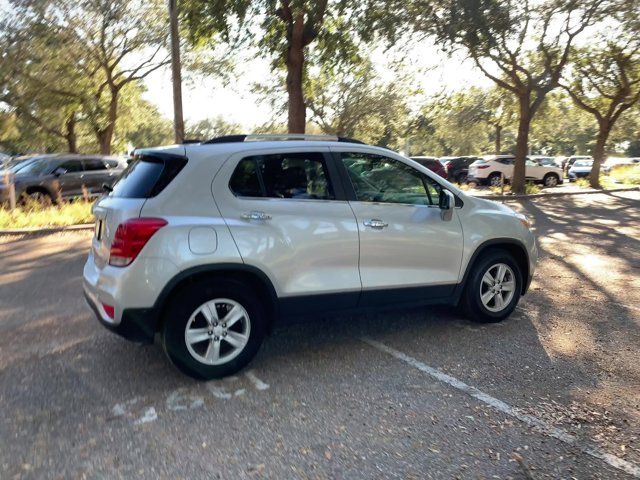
(39, 196)
(475, 286)
(551, 180)
(185, 310)
(494, 180)
(461, 178)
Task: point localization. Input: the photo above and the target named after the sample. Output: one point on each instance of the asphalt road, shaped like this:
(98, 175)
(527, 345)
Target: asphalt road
(553, 392)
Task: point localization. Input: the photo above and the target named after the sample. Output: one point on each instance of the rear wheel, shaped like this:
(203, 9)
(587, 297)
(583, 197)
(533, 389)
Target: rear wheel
(493, 287)
(38, 196)
(495, 180)
(212, 330)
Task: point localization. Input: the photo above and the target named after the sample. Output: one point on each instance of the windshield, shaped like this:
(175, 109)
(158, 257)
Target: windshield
(583, 163)
(31, 167)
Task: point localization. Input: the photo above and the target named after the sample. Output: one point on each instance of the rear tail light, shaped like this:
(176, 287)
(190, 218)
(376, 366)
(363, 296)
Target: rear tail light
(131, 237)
(482, 166)
(448, 166)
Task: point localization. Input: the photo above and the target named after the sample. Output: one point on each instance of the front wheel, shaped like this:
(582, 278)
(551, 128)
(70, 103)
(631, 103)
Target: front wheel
(493, 288)
(551, 180)
(213, 329)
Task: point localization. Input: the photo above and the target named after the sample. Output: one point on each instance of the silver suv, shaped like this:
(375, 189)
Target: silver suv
(206, 245)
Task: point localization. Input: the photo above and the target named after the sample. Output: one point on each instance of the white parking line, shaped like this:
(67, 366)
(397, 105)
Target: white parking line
(499, 405)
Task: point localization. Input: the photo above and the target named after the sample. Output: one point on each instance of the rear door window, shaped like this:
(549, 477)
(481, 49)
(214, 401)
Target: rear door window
(147, 175)
(283, 175)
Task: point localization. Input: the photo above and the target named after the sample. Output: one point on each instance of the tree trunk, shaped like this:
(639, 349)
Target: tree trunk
(295, 69)
(522, 146)
(498, 139)
(176, 74)
(70, 133)
(105, 135)
(599, 153)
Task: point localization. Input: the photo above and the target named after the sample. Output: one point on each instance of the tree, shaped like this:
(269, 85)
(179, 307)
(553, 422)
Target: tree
(30, 79)
(176, 73)
(605, 82)
(353, 102)
(286, 30)
(211, 128)
(96, 47)
(522, 46)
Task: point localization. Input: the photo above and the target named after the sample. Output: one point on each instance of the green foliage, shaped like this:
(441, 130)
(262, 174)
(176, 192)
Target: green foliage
(211, 128)
(626, 174)
(66, 62)
(353, 102)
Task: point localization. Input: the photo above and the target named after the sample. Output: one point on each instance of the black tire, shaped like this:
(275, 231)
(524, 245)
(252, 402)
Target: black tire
(461, 178)
(186, 301)
(549, 176)
(471, 301)
(494, 177)
(41, 197)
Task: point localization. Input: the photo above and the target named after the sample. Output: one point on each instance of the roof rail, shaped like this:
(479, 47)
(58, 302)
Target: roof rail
(279, 137)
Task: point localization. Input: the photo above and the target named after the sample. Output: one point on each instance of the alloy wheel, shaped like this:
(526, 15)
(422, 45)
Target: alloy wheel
(497, 287)
(217, 331)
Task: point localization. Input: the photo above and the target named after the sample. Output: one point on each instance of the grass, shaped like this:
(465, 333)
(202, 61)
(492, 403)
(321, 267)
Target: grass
(626, 174)
(35, 215)
(530, 188)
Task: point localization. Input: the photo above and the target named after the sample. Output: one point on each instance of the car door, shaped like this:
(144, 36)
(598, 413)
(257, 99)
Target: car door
(533, 170)
(290, 219)
(95, 174)
(68, 178)
(407, 247)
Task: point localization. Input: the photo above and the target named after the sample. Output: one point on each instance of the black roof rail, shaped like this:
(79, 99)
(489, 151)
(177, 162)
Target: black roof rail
(226, 139)
(283, 136)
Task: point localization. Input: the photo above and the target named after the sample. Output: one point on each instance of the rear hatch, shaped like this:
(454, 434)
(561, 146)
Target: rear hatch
(145, 177)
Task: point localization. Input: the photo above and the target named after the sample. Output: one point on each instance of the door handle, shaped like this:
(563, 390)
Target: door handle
(375, 223)
(255, 215)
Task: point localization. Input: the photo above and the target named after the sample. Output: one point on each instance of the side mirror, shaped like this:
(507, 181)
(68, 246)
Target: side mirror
(59, 171)
(447, 203)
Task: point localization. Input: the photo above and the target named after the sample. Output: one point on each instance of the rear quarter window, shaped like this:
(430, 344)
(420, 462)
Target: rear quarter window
(147, 175)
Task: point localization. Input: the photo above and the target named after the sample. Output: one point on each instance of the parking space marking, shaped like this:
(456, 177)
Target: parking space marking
(542, 426)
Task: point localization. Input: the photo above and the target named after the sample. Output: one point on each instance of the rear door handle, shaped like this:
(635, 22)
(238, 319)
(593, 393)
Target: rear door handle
(255, 215)
(375, 223)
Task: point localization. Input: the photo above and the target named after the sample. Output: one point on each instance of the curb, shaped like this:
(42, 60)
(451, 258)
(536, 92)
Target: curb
(556, 194)
(39, 231)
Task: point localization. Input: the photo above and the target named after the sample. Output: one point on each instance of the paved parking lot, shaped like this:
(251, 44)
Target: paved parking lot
(553, 392)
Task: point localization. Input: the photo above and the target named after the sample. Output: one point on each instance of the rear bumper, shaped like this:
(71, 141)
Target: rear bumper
(136, 324)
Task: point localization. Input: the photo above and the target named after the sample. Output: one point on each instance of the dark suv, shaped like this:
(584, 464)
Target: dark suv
(457, 168)
(49, 177)
(432, 163)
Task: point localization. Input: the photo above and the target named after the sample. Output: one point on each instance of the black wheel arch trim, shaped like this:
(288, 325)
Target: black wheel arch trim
(496, 242)
(190, 273)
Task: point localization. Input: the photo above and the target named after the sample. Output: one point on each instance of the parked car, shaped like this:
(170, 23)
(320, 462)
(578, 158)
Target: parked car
(433, 164)
(574, 158)
(206, 245)
(546, 161)
(457, 168)
(46, 177)
(580, 169)
(488, 170)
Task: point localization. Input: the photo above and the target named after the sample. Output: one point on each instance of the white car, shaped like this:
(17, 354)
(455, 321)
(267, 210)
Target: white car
(207, 245)
(580, 169)
(489, 170)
